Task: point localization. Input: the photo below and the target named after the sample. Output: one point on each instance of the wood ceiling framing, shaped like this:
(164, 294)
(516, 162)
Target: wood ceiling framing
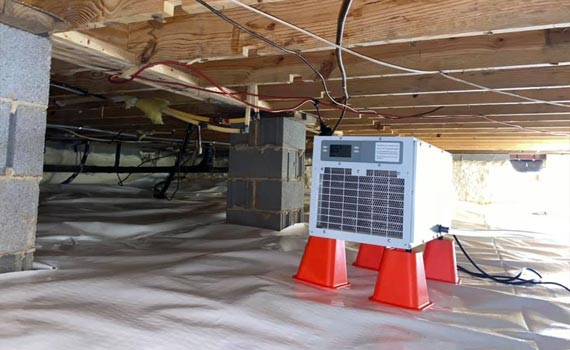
(518, 47)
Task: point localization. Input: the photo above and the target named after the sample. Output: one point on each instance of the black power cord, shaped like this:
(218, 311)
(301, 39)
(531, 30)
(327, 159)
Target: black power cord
(509, 280)
(343, 13)
(161, 187)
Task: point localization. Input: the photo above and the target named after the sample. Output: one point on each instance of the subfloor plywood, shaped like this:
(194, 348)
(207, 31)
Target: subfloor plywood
(130, 272)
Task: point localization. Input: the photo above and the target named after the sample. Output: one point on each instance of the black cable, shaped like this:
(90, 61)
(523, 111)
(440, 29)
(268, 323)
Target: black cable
(419, 114)
(274, 44)
(121, 181)
(81, 164)
(76, 90)
(343, 13)
(325, 129)
(164, 185)
(509, 280)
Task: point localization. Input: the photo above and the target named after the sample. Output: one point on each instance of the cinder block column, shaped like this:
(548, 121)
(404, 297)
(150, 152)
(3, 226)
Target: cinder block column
(266, 174)
(24, 89)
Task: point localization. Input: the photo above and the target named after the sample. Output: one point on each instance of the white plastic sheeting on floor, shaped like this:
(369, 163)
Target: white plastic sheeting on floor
(131, 272)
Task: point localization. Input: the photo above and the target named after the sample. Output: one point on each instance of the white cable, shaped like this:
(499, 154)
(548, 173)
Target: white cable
(382, 63)
(484, 88)
(330, 43)
(554, 133)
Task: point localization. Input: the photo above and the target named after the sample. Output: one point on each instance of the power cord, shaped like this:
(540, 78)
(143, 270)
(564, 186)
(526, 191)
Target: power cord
(515, 280)
(86, 151)
(343, 13)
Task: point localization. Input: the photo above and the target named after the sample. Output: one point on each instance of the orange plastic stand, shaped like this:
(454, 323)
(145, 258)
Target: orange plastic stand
(402, 280)
(369, 256)
(323, 263)
(439, 260)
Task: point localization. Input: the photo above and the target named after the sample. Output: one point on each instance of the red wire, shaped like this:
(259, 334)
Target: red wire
(116, 79)
(113, 79)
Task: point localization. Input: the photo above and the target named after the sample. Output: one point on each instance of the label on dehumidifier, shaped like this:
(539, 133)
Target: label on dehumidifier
(388, 152)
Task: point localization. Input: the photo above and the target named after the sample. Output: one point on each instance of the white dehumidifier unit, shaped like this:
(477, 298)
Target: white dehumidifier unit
(386, 191)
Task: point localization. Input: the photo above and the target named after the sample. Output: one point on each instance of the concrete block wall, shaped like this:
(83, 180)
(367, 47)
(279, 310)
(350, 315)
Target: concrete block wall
(24, 89)
(266, 174)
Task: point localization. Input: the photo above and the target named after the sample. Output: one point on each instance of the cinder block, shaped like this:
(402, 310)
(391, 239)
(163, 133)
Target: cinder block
(272, 158)
(294, 163)
(4, 135)
(265, 219)
(266, 163)
(18, 214)
(24, 65)
(16, 262)
(240, 139)
(284, 132)
(278, 131)
(255, 163)
(26, 145)
(279, 195)
(240, 194)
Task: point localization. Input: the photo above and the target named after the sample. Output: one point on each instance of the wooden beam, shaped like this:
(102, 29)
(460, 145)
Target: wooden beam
(498, 145)
(17, 14)
(369, 23)
(507, 79)
(468, 132)
(457, 111)
(464, 127)
(83, 14)
(84, 50)
(483, 125)
(446, 99)
(479, 52)
(192, 7)
(86, 14)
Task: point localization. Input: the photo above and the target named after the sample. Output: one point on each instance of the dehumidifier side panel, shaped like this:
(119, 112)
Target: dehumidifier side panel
(433, 192)
(316, 184)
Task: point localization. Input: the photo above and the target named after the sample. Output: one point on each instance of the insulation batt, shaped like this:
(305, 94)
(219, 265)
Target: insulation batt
(119, 270)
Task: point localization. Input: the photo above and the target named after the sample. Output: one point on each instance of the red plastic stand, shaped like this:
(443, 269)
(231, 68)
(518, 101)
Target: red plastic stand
(369, 256)
(439, 260)
(323, 263)
(402, 280)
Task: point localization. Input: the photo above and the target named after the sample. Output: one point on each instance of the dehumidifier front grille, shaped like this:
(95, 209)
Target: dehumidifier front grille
(366, 204)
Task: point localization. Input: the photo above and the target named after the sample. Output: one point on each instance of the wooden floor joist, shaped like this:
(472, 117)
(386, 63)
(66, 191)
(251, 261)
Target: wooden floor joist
(369, 23)
(480, 41)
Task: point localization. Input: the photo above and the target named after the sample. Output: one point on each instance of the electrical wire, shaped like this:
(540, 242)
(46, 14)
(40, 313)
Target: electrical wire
(383, 63)
(117, 79)
(81, 165)
(343, 13)
(160, 193)
(102, 140)
(538, 131)
(122, 181)
(114, 134)
(304, 100)
(274, 44)
(422, 114)
(510, 280)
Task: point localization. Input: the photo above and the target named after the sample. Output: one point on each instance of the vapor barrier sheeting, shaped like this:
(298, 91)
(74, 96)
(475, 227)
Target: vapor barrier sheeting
(119, 270)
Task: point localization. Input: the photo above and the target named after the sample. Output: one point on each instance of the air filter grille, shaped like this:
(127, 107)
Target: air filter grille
(372, 204)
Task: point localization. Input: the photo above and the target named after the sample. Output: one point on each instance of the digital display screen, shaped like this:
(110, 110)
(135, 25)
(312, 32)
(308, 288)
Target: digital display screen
(341, 151)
